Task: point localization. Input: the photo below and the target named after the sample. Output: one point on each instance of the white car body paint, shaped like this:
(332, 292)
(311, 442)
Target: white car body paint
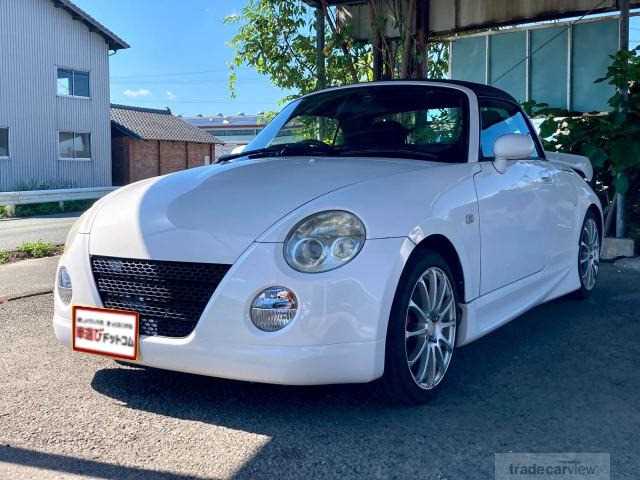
(578, 163)
(515, 233)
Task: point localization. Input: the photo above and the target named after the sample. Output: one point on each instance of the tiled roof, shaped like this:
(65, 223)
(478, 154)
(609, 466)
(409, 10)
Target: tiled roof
(152, 124)
(114, 41)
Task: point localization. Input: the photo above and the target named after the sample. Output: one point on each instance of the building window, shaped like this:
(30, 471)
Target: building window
(73, 83)
(4, 143)
(74, 146)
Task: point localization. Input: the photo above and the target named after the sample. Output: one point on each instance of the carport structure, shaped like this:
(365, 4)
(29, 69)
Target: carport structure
(432, 20)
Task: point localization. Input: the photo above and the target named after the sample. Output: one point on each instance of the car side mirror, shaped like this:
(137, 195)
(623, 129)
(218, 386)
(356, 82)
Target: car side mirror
(513, 146)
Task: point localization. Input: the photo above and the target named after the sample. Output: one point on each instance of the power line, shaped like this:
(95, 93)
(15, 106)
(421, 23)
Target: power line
(170, 74)
(178, 83)
(544, 44)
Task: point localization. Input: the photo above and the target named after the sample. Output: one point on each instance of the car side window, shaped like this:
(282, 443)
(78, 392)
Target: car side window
(497, 119)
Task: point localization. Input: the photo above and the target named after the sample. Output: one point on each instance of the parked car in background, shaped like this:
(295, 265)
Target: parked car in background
(405, 219)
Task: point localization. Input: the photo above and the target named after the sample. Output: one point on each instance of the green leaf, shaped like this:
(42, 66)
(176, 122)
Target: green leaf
(596, 155)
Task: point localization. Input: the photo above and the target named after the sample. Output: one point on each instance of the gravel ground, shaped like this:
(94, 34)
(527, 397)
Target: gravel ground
(563, 378)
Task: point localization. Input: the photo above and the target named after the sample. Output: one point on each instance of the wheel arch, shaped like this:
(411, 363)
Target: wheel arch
(593, 208)
(442, 245)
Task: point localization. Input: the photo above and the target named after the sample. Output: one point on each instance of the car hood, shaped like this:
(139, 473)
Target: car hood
(212, 214)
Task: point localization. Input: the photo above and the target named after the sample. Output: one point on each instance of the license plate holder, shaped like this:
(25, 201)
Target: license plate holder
(108, 332)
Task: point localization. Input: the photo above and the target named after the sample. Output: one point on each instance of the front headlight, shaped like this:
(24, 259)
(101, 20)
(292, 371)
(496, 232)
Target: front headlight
(324, 241)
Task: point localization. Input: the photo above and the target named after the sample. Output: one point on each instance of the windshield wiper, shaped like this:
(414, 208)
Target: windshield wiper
(318, 148)
(249, 153)
(296, 148)
(385, 151)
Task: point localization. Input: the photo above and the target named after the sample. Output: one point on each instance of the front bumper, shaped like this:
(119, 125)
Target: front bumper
(338, 335)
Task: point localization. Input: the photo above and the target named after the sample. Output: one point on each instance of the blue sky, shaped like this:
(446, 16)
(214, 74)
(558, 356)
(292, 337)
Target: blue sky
(170, 41)
(179, 55)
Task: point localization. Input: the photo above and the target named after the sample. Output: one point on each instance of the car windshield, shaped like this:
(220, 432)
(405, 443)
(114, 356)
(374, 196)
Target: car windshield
(402, 120)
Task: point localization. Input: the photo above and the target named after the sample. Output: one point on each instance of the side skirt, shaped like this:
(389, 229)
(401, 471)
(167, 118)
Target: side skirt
(491, 311)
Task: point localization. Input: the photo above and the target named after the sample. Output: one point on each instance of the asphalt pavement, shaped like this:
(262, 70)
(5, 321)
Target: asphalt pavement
(562, 378)
(27, 277)
(48, 228)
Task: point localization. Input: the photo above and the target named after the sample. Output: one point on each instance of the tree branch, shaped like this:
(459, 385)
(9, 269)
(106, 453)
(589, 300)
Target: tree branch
(343, 45)
(296, 57)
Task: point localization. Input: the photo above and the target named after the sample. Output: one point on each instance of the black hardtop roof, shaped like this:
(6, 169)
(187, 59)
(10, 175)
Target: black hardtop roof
(480, 89)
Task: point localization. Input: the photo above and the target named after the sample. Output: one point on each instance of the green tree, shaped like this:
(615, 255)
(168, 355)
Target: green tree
(277, 38)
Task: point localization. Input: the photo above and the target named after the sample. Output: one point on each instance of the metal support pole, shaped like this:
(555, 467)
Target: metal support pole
(378, 63)
(320, 45)
(624, 45)
(423, 8)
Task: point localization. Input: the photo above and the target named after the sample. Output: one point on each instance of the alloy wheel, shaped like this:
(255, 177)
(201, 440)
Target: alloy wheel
(589, 256)
(430, 328)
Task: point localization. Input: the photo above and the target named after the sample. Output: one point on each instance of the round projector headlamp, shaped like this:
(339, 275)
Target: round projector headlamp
(324, 241)
(273, 309)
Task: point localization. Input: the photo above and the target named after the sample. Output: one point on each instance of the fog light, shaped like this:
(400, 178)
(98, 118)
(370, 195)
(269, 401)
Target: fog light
(273, 309)
(65, 290)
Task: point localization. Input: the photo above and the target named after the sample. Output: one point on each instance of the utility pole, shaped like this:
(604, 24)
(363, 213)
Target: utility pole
(624, 45)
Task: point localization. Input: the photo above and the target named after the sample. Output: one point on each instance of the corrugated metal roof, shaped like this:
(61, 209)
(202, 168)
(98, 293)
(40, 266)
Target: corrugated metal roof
(448, 17)
(153, 124)
(114, 41)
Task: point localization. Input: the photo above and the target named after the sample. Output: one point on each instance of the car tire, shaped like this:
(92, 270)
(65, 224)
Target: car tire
(589, 243)
(423, 319)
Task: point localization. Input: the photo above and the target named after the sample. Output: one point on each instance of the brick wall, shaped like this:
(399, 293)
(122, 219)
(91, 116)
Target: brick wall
(135, 160)
(173, 157)
(197, 152)
(143, 159)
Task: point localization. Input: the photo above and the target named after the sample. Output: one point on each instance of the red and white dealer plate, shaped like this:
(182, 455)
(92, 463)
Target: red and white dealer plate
(114, 333)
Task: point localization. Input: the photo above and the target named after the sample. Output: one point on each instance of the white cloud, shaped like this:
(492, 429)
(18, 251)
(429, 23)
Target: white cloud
(141, 92)
(171, 95)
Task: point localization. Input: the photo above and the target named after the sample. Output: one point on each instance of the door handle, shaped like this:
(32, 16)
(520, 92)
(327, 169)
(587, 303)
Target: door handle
(547, 179)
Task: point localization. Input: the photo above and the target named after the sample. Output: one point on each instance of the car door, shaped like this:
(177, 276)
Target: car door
(513, 205)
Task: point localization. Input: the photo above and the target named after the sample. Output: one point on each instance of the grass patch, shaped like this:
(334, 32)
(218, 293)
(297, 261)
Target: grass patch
(37, 249)
(28, 250)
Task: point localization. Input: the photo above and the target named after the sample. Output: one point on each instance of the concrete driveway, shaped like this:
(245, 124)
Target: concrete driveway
(48, 228)
(562, 378)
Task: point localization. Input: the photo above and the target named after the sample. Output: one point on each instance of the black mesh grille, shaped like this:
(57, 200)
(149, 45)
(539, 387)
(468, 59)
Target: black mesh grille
(169, 296)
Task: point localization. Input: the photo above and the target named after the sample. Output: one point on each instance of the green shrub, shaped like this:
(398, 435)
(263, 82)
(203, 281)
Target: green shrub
(4, 257)
(37, 249)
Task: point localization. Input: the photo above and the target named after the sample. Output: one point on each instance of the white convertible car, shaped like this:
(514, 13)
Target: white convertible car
(364, 234)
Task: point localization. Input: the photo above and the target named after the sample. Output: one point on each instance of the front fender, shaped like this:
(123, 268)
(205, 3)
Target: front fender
(438, 200)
